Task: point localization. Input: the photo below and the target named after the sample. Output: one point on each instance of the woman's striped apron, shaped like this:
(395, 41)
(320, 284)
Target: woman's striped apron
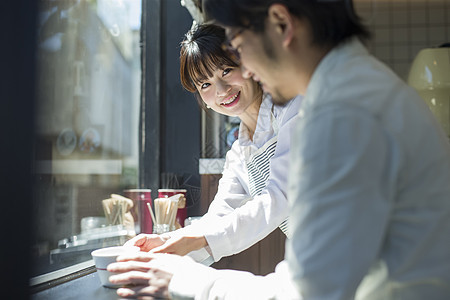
(258, 167)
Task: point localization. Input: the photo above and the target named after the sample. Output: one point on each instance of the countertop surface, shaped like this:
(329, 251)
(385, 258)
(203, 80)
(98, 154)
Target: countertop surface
(86, 287)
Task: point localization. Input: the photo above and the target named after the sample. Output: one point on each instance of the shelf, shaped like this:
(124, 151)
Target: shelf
(79, 166)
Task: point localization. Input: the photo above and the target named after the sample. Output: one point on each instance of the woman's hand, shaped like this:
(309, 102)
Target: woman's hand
(147, 241)
(164, 243)
(181, 244)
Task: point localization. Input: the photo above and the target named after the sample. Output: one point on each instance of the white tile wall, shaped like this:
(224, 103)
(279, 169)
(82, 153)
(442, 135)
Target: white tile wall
(401, 28)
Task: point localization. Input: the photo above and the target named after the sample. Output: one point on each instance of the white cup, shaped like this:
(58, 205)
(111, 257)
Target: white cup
(104, 256)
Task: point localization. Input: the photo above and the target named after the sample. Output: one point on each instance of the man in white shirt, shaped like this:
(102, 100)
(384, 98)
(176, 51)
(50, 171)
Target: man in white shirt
(369, 181)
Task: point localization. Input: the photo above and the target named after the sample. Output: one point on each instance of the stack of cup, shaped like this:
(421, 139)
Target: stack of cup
(142, 199)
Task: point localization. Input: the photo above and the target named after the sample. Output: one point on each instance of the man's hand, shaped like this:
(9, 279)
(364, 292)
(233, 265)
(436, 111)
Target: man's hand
(148, 275)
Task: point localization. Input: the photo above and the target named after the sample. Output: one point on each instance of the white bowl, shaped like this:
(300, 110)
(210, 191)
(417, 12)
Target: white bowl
(104, 256)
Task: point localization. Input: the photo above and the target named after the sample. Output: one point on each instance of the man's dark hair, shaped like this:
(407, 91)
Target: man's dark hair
(332, 21)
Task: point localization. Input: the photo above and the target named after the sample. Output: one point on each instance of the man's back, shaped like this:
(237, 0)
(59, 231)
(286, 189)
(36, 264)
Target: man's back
(371, 185)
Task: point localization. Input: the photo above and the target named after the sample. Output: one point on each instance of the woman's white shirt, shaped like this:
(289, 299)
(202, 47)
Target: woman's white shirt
(236, 220)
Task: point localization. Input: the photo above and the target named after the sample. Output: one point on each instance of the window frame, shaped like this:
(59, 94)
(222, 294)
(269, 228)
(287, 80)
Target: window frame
(149, 128)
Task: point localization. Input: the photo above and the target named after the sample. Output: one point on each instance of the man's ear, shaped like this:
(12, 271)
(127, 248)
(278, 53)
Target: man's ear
(280, 17)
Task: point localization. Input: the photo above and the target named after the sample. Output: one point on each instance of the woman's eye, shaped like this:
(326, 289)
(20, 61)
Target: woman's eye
(205, 85)
(226, 71)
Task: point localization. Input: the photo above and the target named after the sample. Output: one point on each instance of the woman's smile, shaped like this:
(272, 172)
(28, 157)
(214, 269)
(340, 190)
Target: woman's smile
(227, 92)
(231, 101)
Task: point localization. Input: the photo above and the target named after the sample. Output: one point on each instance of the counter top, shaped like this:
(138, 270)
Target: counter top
(85, 287)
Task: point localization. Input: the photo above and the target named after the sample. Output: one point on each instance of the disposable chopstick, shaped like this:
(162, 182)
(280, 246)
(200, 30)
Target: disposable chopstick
(168, 210)
(107, 211)
(151, 212)
(165, 210)
(157, 209)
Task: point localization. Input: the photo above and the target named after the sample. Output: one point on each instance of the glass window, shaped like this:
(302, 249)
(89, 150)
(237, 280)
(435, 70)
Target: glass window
(87, 132)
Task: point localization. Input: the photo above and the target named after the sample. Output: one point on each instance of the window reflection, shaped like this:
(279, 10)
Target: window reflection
(86, 145)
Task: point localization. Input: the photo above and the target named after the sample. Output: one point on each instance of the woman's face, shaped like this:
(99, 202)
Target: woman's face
(227, 92)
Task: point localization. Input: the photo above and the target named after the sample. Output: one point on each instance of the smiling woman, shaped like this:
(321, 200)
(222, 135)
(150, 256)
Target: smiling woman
(211, 73)
(250, 202)
(201, 55)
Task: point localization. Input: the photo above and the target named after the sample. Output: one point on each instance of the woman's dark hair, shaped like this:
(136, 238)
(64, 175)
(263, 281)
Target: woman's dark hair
(202, 53)
(332, 21)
